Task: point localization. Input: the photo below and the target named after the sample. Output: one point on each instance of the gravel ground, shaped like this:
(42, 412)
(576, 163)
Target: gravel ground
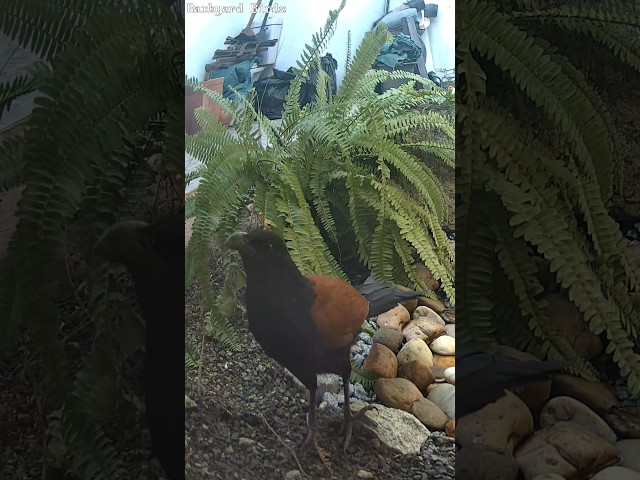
(249, 420)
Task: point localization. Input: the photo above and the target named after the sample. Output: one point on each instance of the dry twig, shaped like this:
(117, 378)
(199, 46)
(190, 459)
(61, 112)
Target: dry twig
(293, 452)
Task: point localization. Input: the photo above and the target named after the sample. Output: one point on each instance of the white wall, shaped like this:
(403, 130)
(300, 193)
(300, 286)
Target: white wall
(206, 32)
(442, 35)
(18, 61)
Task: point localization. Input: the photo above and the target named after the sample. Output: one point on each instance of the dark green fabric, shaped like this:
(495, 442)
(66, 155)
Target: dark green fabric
(401, 50)
(237, 76)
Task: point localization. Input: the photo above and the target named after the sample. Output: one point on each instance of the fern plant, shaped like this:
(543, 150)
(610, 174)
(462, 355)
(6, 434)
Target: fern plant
(546, 168)
(82, 165)
(362, 376)
(335, 179)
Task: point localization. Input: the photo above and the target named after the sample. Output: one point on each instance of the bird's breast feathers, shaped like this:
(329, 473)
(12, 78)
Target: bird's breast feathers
(338, 310)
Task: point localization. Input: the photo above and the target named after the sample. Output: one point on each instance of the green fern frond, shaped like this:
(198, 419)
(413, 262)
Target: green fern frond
(30, 24)
(604, 26)
(335, 178)
(542, 77)
(80, 162)
(82, 448)
(364, 58)
(190, 361)
(14, 89)
(308, 251)
(291, 110)
(348, 59)
(11, 163)
(360, 375)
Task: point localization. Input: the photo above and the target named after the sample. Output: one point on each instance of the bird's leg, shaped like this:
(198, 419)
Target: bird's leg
(311, 418)
(348, 421)
(349, 418)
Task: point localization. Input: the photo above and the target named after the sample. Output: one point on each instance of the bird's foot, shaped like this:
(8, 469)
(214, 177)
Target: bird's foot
(357, 415)
(363, 410)
(347, 425)
(311, 438)
(347, 436)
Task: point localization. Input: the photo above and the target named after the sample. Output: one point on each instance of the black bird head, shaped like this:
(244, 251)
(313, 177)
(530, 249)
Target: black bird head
(153, 254)
(141, 245)
(264, 255)
(260, 247)
(257, 242)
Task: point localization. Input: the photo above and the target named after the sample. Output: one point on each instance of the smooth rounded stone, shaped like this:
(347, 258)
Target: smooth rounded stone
(595, 395)
(429, 414)
(391, 338)
(433, 303)
(567, 449)
(450, 329)
(432, 387)
(424, 328)
(381, 361)
(399, 431)
(450, 427)
(438, 371)
(426, 276)
(293, 475)
(426, 312)
(616, 473)
(397, 393)
(444, 360)
(418, 373)
(535, 394)
(501, 425)
(410, 305)
(444, 345)
(481, 462)
(450, 375)
(449, 316)
(630, 451)
(571, 326)
(444, 396)
(416, 349)
(548, 476)
(567, 409)
(364, 474)
(394, 318)
(411, 331)
(625, 421)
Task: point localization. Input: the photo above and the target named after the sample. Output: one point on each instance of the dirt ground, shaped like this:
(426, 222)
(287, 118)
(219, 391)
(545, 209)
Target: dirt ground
(249, 420)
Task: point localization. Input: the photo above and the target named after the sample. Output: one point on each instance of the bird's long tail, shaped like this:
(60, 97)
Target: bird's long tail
(383, 297)
(483, 376)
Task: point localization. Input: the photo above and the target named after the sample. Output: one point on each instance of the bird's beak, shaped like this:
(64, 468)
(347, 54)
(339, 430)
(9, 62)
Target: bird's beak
(237, 241)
